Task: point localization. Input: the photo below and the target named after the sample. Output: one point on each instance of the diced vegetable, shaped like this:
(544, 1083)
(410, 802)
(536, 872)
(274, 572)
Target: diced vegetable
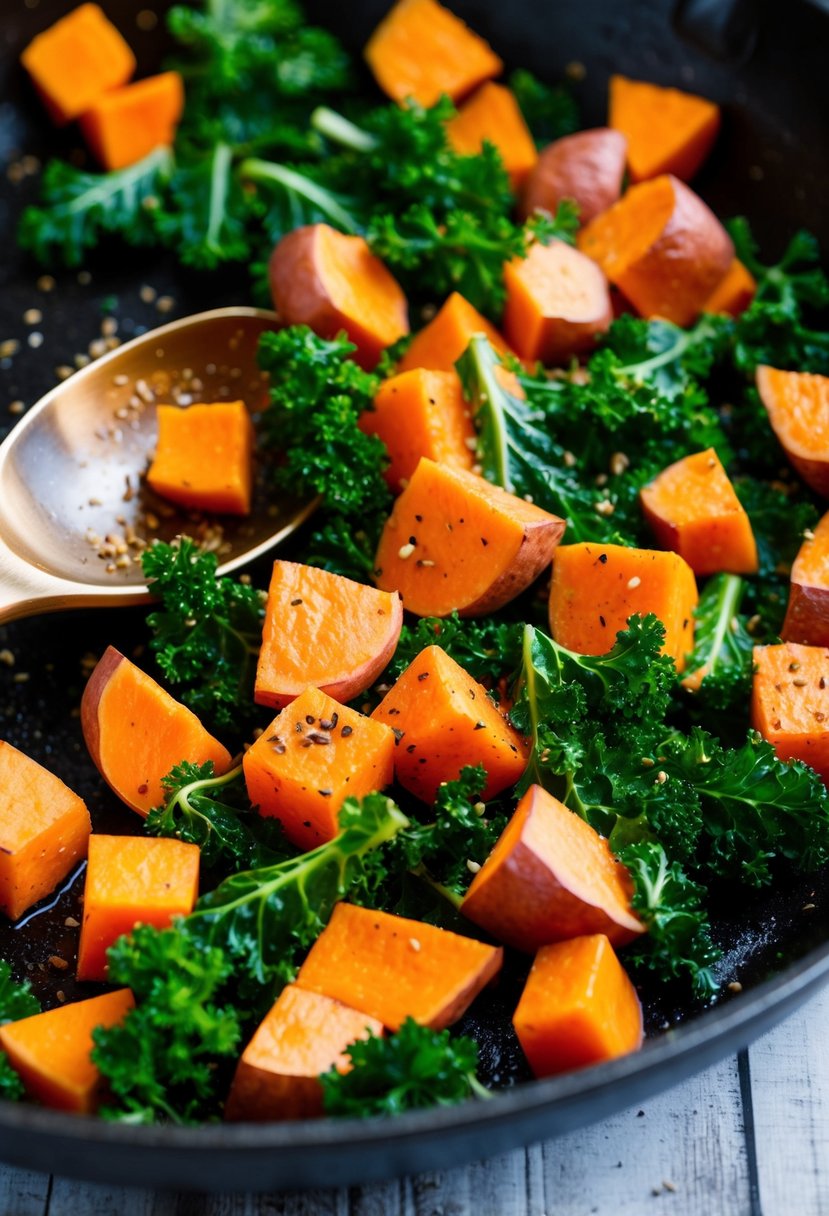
(331, 282)
(51, 1051)
(807, 614)
(325, 631)
(393, 968)
(303, 1035)
(557, 303)
(314, 755)
(587, 168)
(597, 588)
(443, 340)
(455, 542)
(203, 457)
(444, 720)
(662, 247)
(77, 59)
(578, 1007)
(790, 702)
(492, 114)
(417, 413)
(691, 508)
(421, 50)
(551, 877)
(125, 125)
(734, 292)
(798, 408)
(136, 732)
(44, 831)
(132, 880)
(667, 130)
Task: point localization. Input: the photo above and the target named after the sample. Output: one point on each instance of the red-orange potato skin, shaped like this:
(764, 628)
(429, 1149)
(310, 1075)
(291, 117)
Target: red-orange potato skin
(587, 168)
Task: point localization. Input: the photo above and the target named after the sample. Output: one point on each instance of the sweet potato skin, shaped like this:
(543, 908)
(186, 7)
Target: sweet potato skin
(551, 877)
(807, 613)
(587, 167)
(798, 407)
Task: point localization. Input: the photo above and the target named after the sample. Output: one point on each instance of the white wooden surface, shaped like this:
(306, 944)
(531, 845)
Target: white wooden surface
(747, 1138)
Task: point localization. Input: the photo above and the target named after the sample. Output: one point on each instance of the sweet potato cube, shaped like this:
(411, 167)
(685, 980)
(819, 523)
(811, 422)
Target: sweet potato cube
(578, 1007)
(421, 50)
(493, 115)
(597, 588)
(314, 755)
(417, 413)
(443, 720)
(76, 60)
(132, 880)
(51, 1051)
(691, 508)
(734, 292)
(136, 732)
(551, 876)
(790, 702)
(456, 542)
(558, 301)
(442, 342)
(797, 404)
(125, 125)
(324, 630)
(203, 457)
(44, 831)
(668, 131)
(393, 968)
(807, 614)
(303, 1035)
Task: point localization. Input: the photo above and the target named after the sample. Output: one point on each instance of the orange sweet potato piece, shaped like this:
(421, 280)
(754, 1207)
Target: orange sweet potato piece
(51, 1051)
(136, 732)
(314, 755)
(44, 831)
(493, 114)
(662, 247)
(303, 1035)
(393, 968)
(125, 125)
(422, 50)
(798, 408)
(132, 880)
(443, 719)
(807, 614)
(441, 343)
(76, 60)
(596, 588)
(557, 303)
(691, 508)
(734, 292)
(550, 877)
(578, 1007)
(586, 168)
(331, 282)
(667, 131)
(421, 413)
(324, 630)
(203, 457)
(790, 702)
(455, 542)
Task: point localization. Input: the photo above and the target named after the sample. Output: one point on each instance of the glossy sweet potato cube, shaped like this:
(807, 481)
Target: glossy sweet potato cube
(790, 702)
(492, 115)
(44, 831)
(314, 755)
(203, 457)
(51, 1051)
(124, 126)
(442, 342)
(303, 1035)
(132, 880)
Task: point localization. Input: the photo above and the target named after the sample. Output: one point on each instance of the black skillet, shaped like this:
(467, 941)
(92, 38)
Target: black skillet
(766, 63)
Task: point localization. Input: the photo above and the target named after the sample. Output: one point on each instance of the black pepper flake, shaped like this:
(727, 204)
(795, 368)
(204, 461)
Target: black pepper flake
(412, 540)
(142, 789)
(422, 760)
(411, 748)
(298, 728)
(273, 738)
(329, 723)
(424, 675)
(310, 719)
(398, 734)
(316, 736)
(484, 541)
(294, 603)
(419, 518)
(279, 747)
(603, 622)
(480, 726)
(324, 793)
(346, 731)
(685, 623)
(306, 742)
(392, 711)
(603, 558)
(821, 682)
(378, 570)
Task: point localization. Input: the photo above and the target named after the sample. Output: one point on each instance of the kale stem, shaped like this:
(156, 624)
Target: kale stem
(478, 1090)
(256, 170)
(341, 130)
(219, 171)
(450, 896)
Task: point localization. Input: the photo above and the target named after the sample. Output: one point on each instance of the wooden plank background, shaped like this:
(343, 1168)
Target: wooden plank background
(749, 1137)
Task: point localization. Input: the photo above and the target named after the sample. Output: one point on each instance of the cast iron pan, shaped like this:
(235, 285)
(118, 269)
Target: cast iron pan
(766, 66)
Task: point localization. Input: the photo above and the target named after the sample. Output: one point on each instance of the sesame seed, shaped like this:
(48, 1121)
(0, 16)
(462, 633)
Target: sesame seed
(16, 407)
(569, 460)
(618, 463)
(473, 866)
(35, 339)
(799, 683)
(808, 907)
(415, 944)
(9, 348)
(604, 507)
(405, 551)
(808, 534)
(45, 283)
(471, 442)
(661, 777)
(7, 657)
(165, 304)
(32, 316)
(634, 582)
(735, 986)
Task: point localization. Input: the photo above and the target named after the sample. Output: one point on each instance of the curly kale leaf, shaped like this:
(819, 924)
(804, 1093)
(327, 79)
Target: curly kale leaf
(206, 216)
(488, 649)
(16, 1001)
(549, 112)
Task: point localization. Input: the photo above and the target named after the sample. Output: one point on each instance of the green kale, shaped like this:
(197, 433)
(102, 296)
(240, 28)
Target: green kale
(488, 649)
(413, 1068)
(215, 813)
(780, 514)
(549, 112)
(205, 220)
(16, 1001)
(171, 1056)
(207, 633)
(718, 669)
